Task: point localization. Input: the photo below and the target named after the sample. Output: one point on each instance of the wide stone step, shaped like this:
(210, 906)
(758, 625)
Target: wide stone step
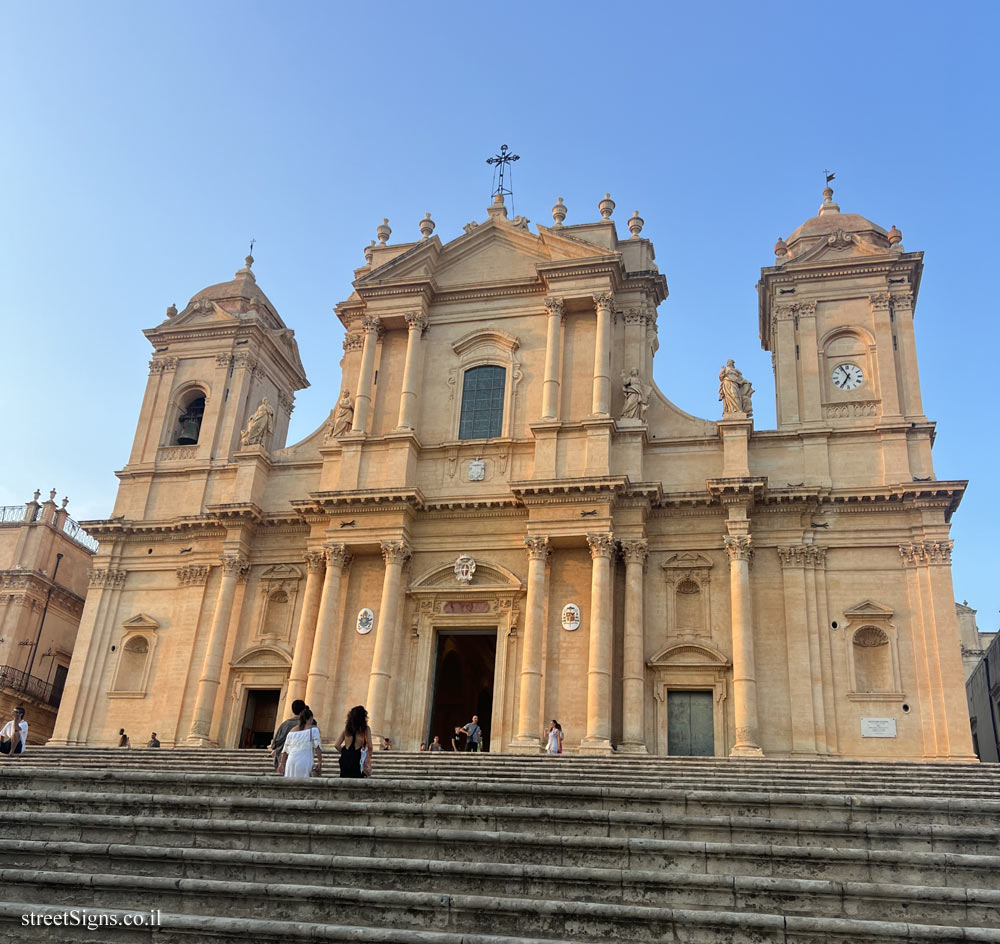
(884, 901)
(557, 821)
(476, 914)
(832, 808)
(752, 859)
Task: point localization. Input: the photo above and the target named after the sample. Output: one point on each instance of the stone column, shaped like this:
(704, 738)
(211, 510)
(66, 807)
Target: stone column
(327, 628)
(315, 565)
(528, 719)
(744, 672)
(634, 661)
(395, 554)
(417, 323)
(551, 383)
(233, 568)
(906, 358)
(598, 737)
(605, 304)
(885, 355)
(363, 401)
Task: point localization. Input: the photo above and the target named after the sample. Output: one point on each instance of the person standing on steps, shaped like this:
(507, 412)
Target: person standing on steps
(14, 736)
(475, 734)
(278, 741)
(154, 741)
(123, 738)
(302, 755)
(555, 738)
(355, 744)
(436, 744)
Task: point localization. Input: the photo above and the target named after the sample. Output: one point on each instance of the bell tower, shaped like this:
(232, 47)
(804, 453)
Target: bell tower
(836, 313)
(213, 365)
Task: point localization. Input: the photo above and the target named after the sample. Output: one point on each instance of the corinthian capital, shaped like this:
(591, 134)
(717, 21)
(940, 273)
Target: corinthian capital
(192, 575)
(371, 323)
(315, 562)
(416, 321)
(395, 552)
(635, 552)
(234, 566)
(739, 546)
(605, 301)
(880, 301)
(337, 555)
(554, 306)
(537, 547)
(602, 544)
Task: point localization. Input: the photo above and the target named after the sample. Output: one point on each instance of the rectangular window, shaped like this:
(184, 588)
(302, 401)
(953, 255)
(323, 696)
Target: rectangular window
(482, 402)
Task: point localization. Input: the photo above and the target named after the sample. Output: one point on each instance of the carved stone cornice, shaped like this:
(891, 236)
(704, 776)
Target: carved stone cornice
(537, 546)
(192, 575)
(602, 544)
(926, 552)
(635, 551)
(315, 562)
(416, 321)
(880, 301)
(110, 578)
(338, 555)
(395, 552)
(739, 546)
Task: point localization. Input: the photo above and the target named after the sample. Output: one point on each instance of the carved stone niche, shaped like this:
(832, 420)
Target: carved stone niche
(871, 647)
(135, 657)
(691, 666)
(689, 605)
(279, 587)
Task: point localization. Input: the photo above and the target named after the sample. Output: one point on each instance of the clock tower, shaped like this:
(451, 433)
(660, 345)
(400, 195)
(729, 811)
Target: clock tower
(836, 313)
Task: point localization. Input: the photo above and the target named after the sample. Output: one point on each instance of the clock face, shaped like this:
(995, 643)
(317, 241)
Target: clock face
(848, 376)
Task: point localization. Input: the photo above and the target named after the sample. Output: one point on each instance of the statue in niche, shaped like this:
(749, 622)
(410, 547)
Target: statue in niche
(636, 396)
(259, 427)
(344, 417)
(734, 391)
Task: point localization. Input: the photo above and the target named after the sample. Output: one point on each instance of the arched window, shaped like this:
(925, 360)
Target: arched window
(872, 660)
(189, 421)
(482, 402)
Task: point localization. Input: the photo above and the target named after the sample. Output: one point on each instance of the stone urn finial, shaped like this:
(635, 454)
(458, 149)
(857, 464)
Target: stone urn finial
(249, 262)
(606, 206)
(426, 226)
(780, 248)
(635, 224)
(383, 232)
(369, 252)
(65, 502)
(37, 495)
(52, 495)
(895, 236)
(559, 212)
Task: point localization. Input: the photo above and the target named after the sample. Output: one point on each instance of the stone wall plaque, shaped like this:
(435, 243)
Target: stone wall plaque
(477, 470)
(467, 606)
(570, 617)
(366, 621)
(878, 727)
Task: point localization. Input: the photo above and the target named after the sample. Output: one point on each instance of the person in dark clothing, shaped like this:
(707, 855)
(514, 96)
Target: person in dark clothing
(355, 744)
(278, 742)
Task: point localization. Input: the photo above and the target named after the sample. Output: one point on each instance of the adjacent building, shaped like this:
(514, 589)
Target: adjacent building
(505, 516)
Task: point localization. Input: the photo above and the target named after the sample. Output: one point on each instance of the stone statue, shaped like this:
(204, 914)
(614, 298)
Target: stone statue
(259, 427)
(734, 391)
(344, 417)
(636, 398)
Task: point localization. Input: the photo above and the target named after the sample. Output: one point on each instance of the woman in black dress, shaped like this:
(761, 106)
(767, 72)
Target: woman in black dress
(355, 744)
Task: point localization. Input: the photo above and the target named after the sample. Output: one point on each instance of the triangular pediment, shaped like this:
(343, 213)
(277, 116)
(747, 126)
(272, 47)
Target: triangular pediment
(281, 572)
(686, 561)
(839, 247)
(494, 251)
(140, 621)
(868, 609)
(201, 313)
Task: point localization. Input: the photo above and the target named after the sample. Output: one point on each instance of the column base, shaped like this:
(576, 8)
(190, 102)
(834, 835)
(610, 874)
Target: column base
(525, 745)
(632, 747)
(600, 746)
(196, 741)
(746, 750)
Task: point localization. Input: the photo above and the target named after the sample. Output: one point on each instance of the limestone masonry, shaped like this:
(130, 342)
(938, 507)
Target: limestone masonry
(505, 517)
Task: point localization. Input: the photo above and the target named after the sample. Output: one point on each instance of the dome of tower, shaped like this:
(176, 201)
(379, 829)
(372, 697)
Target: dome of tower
(830, 220)
(243, 286)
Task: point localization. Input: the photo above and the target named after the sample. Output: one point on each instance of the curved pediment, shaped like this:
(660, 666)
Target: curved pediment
(487, 575)
(689, 653)
(262, 657)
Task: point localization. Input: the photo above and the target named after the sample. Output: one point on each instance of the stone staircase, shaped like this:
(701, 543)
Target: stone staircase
(498, 849)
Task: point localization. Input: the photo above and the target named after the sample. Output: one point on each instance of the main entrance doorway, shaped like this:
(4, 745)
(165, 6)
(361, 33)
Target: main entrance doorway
(259, 717)
(463, 683)
(690, 724)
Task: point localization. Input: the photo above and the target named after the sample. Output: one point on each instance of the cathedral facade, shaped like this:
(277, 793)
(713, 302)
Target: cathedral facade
(504, 517)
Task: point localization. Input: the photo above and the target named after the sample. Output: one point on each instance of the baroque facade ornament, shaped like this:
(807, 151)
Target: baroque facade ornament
(734, 391)
(353, 342)
(926, 552)
(880, 301)
(555, 307)
(395, 552)
(602, 544)
(112, 579)
(192, 575)
(570, 617)
(160, 364)
(416, 321)
(259, 427)
(234, 566)
(739, 547)
(635, 551)
(465, 569)
(366, 621)
(537, 546)
(338, 555)
(315, 562)
(605, 301)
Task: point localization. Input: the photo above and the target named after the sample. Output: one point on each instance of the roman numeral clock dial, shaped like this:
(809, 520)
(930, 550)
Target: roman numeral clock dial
(848, 377)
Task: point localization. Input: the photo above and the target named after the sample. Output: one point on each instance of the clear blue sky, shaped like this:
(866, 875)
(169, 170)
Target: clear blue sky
(144, 144)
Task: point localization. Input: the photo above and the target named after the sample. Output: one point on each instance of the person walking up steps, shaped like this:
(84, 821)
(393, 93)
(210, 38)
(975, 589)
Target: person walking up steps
(278, 741)
(355, 744)
(475, 734)
(303, 751)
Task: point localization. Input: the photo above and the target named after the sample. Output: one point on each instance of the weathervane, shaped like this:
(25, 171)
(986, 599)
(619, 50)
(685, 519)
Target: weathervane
(253, 242)
(829, 176)
(500, 162)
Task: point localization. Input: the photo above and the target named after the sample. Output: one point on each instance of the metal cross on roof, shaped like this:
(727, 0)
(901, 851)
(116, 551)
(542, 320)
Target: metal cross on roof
(499, 163)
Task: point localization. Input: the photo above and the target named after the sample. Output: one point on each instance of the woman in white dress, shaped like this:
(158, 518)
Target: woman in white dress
(554, 745)
(302, 755)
